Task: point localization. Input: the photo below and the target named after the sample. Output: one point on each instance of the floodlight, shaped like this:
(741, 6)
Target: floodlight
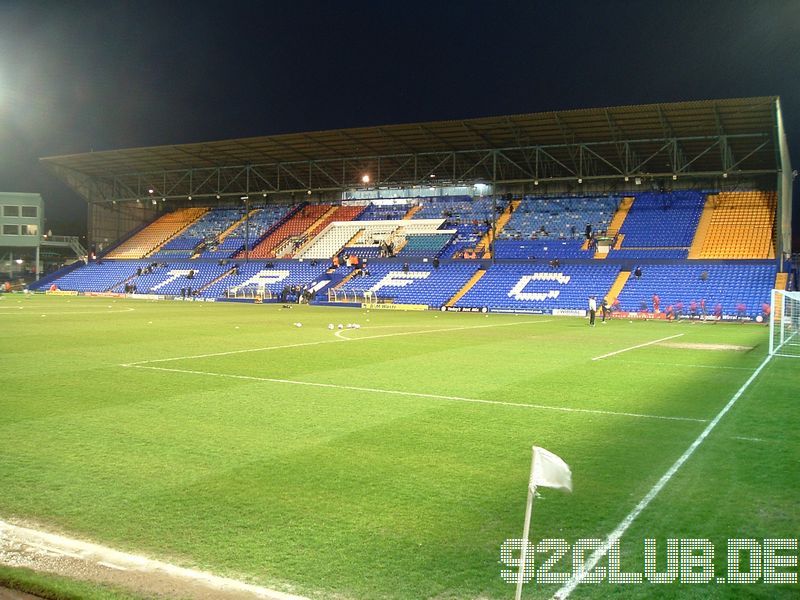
(365, 178)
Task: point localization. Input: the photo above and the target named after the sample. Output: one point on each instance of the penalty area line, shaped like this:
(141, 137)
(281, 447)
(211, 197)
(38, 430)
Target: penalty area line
(333, 341)
(636, 346)
(614, 536)
(419, 394)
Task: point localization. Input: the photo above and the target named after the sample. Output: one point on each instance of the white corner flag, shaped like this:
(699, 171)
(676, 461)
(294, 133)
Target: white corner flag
(547, 470)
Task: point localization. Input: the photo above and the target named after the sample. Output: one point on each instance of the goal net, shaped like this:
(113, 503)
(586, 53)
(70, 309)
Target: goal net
(784, 324)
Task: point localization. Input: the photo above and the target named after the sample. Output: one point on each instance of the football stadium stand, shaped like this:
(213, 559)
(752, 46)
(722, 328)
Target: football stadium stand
(252, 277)
(539, 289)
(459, 209)
(170, 279)
(157, 233)
(100, 276)
(339, 213)
(729, 284)
(467, 236)
(425, 245)
(662, 220)
(551, 223)
(384, 212)
(560, 217)
(541, 248)
(275, 248)
(740, 226)
(289, 235)
(420, 283)
(205, 230)
(247, 232)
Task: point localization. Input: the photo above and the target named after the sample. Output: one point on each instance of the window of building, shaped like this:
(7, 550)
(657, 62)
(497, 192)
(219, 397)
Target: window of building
(29, 211)
(29, 229)
(10, 229)
(11, 211)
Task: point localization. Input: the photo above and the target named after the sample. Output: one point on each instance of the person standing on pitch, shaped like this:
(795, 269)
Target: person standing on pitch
(592, 310)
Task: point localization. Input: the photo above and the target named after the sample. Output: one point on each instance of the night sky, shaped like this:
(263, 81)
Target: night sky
(81, 76)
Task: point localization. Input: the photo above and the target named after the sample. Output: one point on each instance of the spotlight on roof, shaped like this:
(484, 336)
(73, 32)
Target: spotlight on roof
(19, 261)
(674, 177)
(150, 190)
(365, 178)
(638, 181)
(433, 176)
(535, 182)
(308, 192)
(154, 200)
(627, 178)
(580, 180)
(189, 198)
(138, 201)
(218, 196)
(244, 198)
(264, 194)
(724, 175)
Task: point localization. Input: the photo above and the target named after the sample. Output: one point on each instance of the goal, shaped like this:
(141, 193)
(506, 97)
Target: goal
(784, 324)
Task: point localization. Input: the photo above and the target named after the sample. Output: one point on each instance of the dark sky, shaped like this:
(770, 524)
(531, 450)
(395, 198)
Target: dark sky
(77, 76)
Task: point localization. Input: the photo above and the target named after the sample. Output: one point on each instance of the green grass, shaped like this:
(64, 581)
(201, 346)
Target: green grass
(52, 587)
(328, 491)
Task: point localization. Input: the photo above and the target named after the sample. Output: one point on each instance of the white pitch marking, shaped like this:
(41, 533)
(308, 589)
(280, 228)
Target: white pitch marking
(420, 394)
(115, 559)
(636, 346)
(615, 535)
(77, 312)
(660, 364)
(747, 439)
(319, 342)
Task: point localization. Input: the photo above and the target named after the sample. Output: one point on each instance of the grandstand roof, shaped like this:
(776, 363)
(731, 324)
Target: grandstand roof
(734, 120)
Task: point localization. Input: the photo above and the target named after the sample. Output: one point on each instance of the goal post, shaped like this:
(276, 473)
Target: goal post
(784, 323)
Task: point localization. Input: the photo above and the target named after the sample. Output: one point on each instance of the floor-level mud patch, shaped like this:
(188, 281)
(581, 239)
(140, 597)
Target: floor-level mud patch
(718, 347)
(77, 559)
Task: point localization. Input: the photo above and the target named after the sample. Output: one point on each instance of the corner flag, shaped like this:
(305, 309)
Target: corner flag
(547, 470)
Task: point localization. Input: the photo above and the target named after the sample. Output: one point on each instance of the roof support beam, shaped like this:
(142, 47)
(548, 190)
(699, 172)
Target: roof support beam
(598, 160)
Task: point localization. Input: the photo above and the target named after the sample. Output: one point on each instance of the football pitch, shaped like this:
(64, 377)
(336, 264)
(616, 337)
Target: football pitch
(390, 461)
